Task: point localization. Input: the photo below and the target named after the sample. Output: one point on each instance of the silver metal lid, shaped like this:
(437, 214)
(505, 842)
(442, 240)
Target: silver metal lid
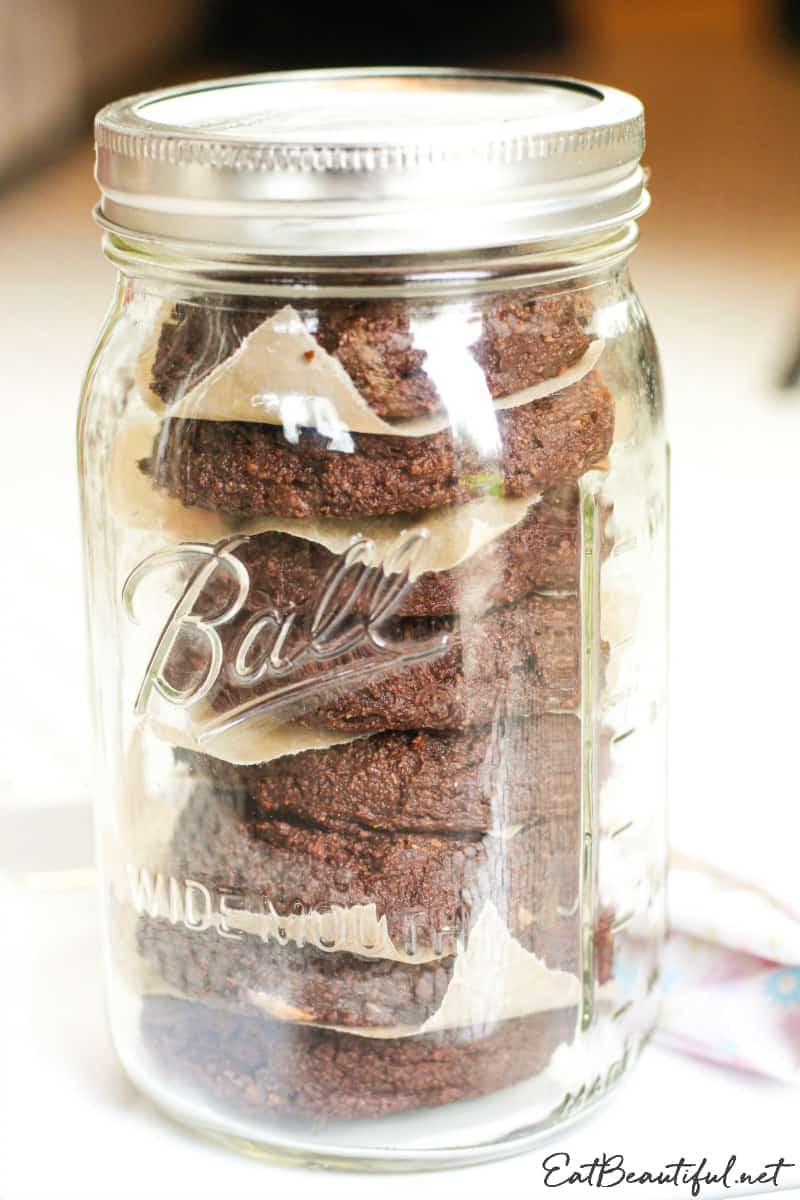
(371, 161)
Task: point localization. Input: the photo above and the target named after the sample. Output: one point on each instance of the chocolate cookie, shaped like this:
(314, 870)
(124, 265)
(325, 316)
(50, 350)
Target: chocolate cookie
(519, 338)
(418, 781)
(195, 339)
(234, 840)
(375, 345)
(527, 337)
(248, 468)
(301, 983)
(517, 661)
(540, 552)
(306, 983)
(272, 1068)
(429, 887)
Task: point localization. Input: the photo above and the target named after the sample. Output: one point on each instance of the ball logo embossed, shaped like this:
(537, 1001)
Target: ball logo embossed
(345, 628)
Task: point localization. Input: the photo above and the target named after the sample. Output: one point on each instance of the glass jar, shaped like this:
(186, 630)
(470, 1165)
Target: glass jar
(374, 482)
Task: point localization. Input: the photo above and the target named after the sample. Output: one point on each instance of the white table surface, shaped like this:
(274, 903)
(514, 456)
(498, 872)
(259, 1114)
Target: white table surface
(719, 271)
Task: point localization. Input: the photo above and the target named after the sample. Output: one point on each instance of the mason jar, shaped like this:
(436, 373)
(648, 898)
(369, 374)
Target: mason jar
(374, 486)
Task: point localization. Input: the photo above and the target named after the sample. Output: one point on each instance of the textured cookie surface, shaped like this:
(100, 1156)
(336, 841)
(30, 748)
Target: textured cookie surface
(519, 338)
(273, 1068)
(337, 827)
(306, 983)
(429, 887)
(517, 661)
(297, 983)
(540, 552)
(416, 781)
(248, 468)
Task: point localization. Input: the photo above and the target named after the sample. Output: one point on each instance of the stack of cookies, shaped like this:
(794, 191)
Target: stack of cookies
(389, 910)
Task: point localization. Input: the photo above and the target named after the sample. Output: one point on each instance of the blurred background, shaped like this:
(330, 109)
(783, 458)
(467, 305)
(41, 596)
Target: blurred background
(718, 270)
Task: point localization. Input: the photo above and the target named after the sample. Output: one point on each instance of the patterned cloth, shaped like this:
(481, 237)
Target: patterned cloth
(731, 974)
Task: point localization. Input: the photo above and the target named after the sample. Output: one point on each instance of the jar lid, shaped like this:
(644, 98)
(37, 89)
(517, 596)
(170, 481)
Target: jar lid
(371, 161)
